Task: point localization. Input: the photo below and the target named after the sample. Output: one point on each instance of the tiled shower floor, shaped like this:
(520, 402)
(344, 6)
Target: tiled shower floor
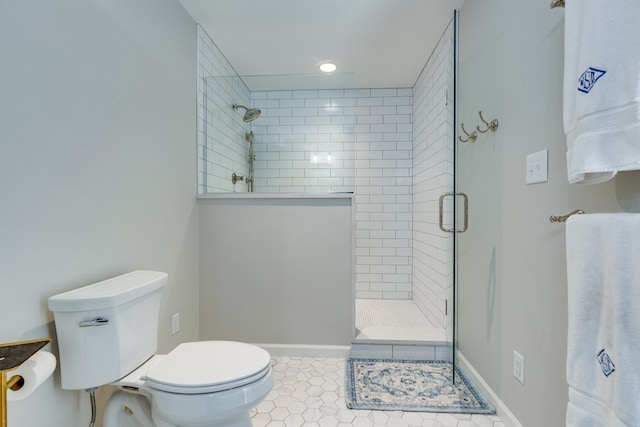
(392, 321)
(309, 392)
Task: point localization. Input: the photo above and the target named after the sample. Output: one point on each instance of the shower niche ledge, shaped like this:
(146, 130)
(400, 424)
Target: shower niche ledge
(276, 196)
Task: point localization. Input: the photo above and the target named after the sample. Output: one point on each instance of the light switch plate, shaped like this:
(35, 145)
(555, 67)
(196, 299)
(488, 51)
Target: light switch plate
(537, 167)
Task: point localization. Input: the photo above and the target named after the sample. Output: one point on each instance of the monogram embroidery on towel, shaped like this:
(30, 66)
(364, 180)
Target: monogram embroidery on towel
(606, 363)
(589, 78)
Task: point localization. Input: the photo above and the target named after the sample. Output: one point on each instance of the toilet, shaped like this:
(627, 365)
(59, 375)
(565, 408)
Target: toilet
(108, 334)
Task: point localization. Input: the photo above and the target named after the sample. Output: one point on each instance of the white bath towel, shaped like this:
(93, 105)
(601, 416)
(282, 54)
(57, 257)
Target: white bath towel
(601, 88)
(584, 411)
(603, 349)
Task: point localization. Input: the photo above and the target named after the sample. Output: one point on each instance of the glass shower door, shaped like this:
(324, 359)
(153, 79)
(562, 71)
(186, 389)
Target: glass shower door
(448, 205)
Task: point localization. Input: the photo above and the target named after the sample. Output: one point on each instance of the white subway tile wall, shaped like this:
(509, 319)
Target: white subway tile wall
(304, 141)
(433, 160)
(222, 148)
(354, 140)
(383, 194)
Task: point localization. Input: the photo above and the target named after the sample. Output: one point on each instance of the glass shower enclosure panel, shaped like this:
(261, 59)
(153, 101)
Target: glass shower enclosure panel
(226, 138)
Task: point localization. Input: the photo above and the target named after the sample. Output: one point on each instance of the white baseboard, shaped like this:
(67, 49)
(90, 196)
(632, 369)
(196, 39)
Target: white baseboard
(506, 416)
(307, 350)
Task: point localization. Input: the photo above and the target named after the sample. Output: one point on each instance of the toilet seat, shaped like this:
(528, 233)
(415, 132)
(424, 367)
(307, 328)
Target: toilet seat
(208, 367)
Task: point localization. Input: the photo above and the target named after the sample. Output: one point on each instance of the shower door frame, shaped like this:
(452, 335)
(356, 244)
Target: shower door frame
(456, 229)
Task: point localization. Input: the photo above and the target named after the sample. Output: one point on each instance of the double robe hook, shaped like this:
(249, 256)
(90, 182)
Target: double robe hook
(489, 126)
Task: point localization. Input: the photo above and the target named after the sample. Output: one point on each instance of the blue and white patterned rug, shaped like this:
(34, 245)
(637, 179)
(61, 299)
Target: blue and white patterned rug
(411, 385)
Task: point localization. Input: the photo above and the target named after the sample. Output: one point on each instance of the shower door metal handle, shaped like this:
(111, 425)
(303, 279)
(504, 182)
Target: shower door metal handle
(466, 213)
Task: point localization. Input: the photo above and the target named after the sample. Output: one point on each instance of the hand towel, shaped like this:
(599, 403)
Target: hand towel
(603, 348)
(601, 88)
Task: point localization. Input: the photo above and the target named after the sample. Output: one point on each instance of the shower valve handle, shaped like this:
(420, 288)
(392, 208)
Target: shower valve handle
(235, 178)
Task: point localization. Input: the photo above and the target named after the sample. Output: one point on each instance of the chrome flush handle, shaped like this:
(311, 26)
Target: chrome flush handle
(98, 321)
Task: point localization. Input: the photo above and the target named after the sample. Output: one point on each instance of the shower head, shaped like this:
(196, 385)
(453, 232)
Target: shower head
(251, 113)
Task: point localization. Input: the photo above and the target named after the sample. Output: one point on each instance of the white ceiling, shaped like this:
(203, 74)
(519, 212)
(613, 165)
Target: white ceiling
(374, 43)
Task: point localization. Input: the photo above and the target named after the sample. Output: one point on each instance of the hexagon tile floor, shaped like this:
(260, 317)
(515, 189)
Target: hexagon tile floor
(310, 391)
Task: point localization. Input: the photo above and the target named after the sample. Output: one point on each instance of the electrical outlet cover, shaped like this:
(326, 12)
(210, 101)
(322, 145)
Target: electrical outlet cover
(175, 323)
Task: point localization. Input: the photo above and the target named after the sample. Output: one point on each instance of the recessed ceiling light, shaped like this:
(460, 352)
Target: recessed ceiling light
(328, 67)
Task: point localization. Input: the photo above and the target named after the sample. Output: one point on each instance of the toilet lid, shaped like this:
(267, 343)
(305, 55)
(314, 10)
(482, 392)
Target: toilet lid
(208, 366)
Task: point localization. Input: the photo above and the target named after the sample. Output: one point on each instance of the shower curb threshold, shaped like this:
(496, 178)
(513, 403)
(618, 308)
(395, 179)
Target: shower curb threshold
(407, 351)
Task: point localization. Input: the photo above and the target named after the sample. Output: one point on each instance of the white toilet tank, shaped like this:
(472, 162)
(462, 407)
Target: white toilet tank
(107, 329)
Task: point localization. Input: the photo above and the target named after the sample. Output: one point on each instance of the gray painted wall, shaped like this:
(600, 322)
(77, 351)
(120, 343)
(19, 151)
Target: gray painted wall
(97, 166)
(513, 292)
(97, 176)
(276, 271)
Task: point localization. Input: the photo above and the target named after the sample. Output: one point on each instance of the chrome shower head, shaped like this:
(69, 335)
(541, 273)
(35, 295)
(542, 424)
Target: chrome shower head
(251, 113)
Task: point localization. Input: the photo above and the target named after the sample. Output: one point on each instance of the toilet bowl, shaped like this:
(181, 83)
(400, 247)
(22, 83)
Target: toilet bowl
(107, 334)
(206, 383)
